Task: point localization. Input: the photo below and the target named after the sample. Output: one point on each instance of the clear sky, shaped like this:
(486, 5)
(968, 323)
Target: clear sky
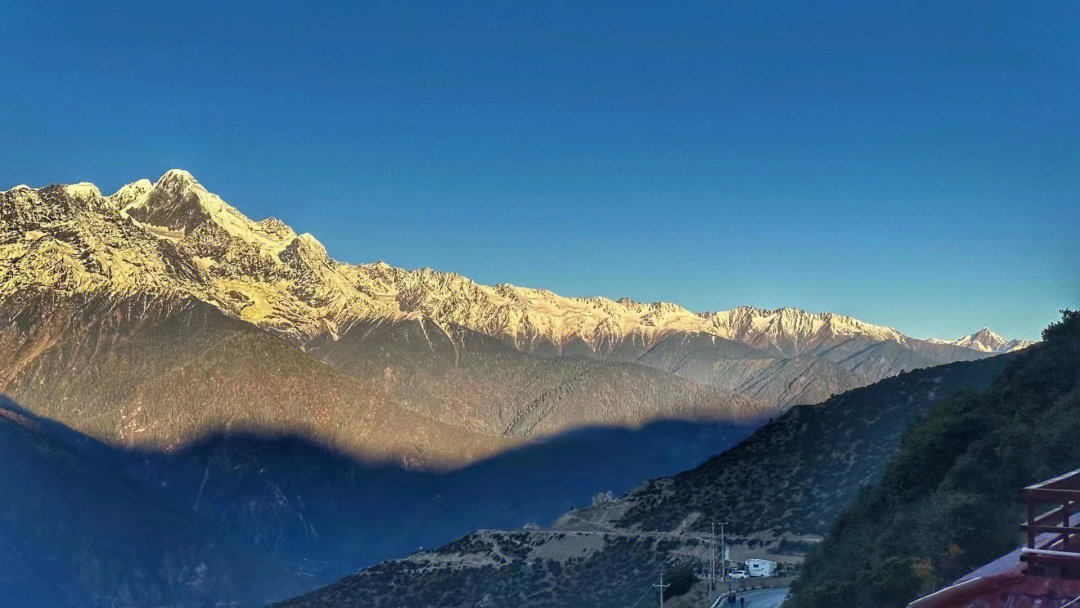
(914, 166)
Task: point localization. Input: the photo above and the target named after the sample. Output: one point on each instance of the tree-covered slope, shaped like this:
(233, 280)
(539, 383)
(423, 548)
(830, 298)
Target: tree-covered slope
(797, 473)
(950, 499)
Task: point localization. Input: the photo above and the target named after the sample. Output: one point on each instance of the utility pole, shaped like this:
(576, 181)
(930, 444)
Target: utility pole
(723, 552)
(712, 561)
(660, 589)
(723, 557)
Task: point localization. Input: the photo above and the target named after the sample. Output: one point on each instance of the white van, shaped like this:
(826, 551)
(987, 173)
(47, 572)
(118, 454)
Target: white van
(760, 567)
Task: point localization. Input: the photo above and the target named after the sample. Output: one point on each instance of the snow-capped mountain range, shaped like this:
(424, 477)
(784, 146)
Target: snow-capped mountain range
(174, 237)
(169, 269)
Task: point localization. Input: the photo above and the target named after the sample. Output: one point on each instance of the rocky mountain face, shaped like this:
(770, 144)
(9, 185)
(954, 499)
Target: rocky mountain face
(141, 371)
(777, 491)
(234, 320)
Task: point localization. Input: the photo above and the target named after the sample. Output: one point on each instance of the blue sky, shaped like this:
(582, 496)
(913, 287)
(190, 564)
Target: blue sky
(915, 166)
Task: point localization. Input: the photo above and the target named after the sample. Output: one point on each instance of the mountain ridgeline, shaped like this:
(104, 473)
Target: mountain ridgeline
(160, 314)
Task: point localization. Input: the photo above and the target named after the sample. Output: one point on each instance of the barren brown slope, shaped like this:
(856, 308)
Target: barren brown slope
(147, 372)
(464, 378)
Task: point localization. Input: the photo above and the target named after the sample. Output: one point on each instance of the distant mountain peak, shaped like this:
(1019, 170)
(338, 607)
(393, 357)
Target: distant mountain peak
(986, 341)
(177, 205)
(181, 180)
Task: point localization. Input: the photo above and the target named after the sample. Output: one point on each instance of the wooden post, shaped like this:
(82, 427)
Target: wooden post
(1030, 521)
(1065, 517)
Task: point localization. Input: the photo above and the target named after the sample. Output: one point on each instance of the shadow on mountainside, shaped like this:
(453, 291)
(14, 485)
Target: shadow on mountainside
(794, 476)
(243, 519)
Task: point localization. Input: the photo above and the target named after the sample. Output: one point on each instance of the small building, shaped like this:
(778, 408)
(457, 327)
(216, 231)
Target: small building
(760, 567)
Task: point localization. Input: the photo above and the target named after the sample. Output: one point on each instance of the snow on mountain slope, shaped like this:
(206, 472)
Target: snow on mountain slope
(173, 238)
(987, 341)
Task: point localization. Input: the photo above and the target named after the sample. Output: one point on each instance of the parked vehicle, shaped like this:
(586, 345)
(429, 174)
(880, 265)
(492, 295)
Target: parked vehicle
(738, 574)
(760, 567)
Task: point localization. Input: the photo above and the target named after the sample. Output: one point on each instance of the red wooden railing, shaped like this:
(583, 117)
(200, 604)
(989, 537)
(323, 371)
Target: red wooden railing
(1053, 536)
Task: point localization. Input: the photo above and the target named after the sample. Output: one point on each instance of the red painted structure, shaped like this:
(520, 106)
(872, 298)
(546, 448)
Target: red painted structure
(1045, 573)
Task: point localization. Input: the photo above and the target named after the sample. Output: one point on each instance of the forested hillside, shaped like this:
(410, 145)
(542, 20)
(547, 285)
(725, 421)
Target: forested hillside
(950, 500)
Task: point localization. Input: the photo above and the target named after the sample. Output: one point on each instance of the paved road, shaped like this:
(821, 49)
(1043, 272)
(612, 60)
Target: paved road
(764, 598)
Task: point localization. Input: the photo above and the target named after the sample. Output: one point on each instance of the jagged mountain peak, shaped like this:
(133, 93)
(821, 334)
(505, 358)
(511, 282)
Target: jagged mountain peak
(793, 331)
(179, 180)
(987, 341)
(139, 186)
(986, 335)
(276, 227)
(129, 194)
(180, 176)
(177, 205)
(177, 202)
(83, 190)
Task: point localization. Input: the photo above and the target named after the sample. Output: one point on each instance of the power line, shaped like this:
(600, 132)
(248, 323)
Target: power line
(1037, 333)
(643, 595)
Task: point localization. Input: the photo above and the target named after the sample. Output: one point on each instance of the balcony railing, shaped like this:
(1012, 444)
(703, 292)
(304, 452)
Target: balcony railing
(1053, 536)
